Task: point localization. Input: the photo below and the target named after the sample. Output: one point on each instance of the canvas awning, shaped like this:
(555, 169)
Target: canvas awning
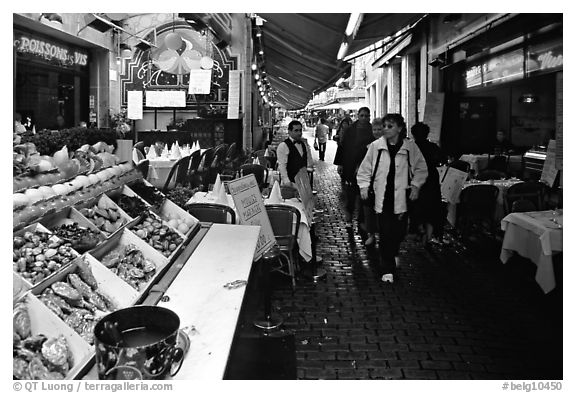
(345, 105)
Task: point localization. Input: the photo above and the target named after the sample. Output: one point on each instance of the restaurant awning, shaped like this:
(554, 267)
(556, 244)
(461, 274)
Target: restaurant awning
(345, 105)
(300, 50)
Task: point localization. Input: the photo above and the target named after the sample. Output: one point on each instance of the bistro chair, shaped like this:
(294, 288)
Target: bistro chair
(143, 166)
(285, 221)
(477, 202)
(460, 165)
(212, 212)
(490, 174)
(140, 147)
(140, 156)
(180, 170)
(534, 191)
(260, 171)
(523, 205)
(219, 156)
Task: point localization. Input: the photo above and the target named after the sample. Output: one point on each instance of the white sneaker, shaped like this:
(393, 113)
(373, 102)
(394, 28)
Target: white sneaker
(388, 278)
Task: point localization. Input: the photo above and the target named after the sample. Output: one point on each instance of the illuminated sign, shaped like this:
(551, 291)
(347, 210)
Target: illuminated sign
(49, 51)
(544, 57)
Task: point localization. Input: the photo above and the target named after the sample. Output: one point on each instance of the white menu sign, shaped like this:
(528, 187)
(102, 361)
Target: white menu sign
(251, 211)
(200, 81)
(550, 171)
(165, 98)
(135, 105)
(234, 95)
(433, 110)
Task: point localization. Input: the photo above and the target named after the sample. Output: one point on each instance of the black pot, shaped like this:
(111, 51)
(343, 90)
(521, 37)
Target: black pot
(138, 343)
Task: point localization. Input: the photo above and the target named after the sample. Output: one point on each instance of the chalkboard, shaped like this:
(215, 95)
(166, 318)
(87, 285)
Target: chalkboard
(433, 114)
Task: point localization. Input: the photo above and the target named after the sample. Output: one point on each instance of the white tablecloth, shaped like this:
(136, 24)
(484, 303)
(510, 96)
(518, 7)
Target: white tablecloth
(479, 162)
(534, 235)
(503, 186)
(304, 239)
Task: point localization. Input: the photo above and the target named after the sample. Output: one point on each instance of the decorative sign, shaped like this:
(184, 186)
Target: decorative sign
(165, 98)
(550, 171)
(135, 105)
(559, 122)
(451, 183)
(544, 57)
(302, 182)
(234, 95)
(49, 50)
(251, 211)
(504, 68)
(433, 110)
(200, 81)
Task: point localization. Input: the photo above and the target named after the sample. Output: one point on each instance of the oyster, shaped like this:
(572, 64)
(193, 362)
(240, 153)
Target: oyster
(110, 305)
(136, 273)
(21, 321)
(52, 304)
(54, 375)
(85, 273)
(37, 369)
(55, 350)
(112, 259)
(76, 282)
(148, 267)
(95, 299)
(61, 303)
(20, 368)
(65, 291)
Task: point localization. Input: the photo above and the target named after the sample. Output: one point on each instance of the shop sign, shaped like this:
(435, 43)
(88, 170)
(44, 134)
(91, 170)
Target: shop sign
(49, 51)
(544, 57)
(504, 68)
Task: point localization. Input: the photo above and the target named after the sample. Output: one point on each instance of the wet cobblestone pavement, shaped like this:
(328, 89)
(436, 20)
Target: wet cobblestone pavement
(454, 312)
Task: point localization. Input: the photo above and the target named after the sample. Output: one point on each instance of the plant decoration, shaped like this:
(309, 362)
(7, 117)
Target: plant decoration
(119, 122)
(177, 123)
(48, 142)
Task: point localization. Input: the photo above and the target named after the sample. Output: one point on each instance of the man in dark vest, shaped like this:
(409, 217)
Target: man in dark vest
(293, 154)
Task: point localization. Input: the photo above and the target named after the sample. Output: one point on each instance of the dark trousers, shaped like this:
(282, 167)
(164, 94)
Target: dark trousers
(321, 150)
(392, 230)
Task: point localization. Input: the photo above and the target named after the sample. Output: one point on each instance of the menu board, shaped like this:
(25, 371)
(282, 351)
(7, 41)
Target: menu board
(251, 210)
(302, 182)
(200, 81)
(451, 182)
(165, 98)
(433, 115)
(550, 171)
(559, 122)
(135, 105)
(234, 95)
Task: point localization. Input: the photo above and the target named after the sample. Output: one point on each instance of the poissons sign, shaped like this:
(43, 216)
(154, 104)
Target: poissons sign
(49, 51)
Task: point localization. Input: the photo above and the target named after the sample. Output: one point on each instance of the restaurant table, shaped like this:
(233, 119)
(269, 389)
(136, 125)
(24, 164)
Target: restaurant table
(304, 239)
(160, 169)
(479, 162)
(503, 186)
(536, 236)
(200, 299)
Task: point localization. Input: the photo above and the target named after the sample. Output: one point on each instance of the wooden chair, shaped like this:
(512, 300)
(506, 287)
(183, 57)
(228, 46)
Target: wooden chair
(212, 212)
(140, 147)
(180, 170)
(285, 221)
(534, 191)
(490, 174)
(460, 165)
(143, 167)
(260, 171)
(477, 202)
(522, 205)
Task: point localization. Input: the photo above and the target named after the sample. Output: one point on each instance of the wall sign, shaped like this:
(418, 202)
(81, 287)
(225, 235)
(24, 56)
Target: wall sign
(49, 50)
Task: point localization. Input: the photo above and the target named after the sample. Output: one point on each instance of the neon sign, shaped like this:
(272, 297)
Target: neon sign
(50, 51)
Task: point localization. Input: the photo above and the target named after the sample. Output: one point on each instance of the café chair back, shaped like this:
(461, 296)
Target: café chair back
(219, 155)
(490, 174)
(534, 191)
(194, 161)
(460, 165)
(285, 221)
(477, 203)
(140, 156)
(212, 212)
(143, 167)
(523, 205)
(259, 171)
(180, 172)
(140, 147)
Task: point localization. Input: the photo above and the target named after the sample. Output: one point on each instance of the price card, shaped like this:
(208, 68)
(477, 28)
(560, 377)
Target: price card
(200, 81)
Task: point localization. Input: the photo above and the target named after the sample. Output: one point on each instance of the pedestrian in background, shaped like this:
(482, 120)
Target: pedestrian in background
(401, 170)
(293, 154)
(321, 137)
(354, 143)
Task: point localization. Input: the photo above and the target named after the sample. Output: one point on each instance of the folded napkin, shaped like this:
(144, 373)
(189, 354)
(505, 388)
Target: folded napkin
(275, 194)
(151, 153)
(165, 152)
(176, 153)
(195, 146)
(217, 185)
(221, 197)
(255, 161)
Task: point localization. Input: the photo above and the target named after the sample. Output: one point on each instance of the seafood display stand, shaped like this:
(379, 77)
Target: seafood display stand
(202, 278)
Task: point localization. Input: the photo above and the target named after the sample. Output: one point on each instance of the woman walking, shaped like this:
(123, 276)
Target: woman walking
(397, 168)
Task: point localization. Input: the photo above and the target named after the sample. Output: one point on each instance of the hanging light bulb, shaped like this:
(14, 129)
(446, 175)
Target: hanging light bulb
(258, 83)
(256, 76)
(261, 52)
(254, 67)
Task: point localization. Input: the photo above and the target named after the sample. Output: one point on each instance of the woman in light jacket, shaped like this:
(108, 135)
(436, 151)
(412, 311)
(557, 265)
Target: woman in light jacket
(401, 169)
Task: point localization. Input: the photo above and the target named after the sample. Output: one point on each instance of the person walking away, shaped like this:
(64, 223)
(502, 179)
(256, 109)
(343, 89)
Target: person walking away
(401, 170)
(354, 144)
(293, 154)
(345, 124)
(370, 220)
(427, 213)
(321, 137)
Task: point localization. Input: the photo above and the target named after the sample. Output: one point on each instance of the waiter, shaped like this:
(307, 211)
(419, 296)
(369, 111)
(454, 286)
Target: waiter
(293, 154)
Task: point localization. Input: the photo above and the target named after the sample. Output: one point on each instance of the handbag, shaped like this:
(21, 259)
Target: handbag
(371, 194)
(315, 145)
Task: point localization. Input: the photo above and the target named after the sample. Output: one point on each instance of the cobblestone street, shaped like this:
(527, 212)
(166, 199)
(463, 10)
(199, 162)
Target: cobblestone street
(454, 312)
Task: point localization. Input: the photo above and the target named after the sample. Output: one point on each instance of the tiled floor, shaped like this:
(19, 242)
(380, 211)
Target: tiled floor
(455, 312)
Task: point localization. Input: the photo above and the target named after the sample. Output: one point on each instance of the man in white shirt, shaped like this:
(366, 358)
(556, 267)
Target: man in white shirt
(293, 154)
(321, 136)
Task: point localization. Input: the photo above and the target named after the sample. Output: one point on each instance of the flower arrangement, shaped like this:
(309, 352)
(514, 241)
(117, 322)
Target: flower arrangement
(119, 123)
